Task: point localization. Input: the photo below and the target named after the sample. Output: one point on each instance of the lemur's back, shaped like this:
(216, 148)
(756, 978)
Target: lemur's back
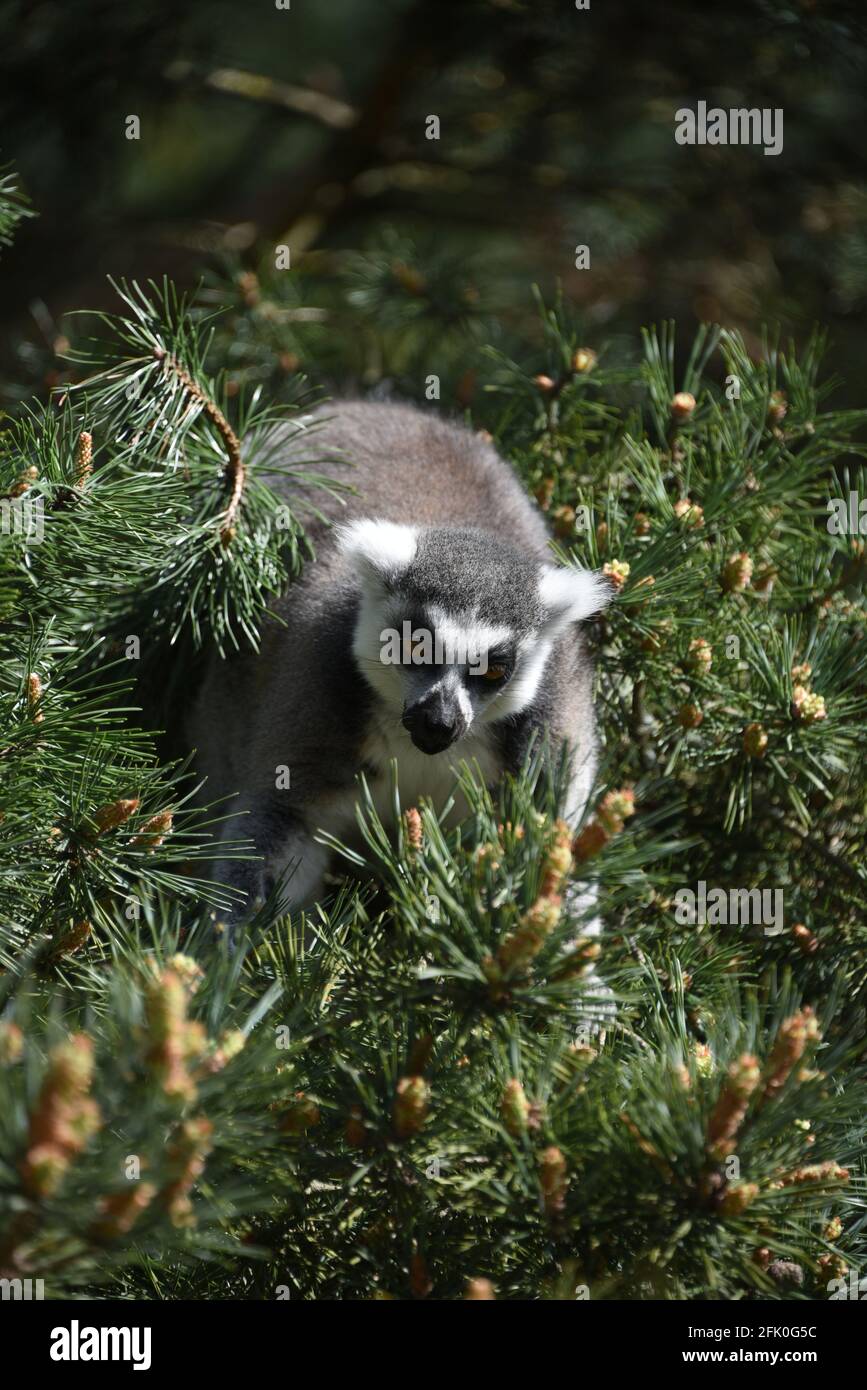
(410, 465)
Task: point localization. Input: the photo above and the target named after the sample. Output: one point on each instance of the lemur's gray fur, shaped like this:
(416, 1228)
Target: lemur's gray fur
(439, 532)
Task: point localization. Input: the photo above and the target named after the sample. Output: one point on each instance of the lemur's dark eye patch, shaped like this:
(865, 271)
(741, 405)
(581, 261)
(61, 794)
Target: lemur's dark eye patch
(498, 669)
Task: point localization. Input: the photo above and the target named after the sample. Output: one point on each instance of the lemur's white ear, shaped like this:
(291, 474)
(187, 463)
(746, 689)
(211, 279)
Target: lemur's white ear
(380, 549)
(568, 595)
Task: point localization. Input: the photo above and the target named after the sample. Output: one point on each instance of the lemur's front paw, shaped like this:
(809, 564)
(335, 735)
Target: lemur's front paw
(251, 884)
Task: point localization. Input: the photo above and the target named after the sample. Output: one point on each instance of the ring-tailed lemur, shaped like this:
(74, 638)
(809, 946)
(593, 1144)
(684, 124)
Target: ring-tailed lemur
(438, 533)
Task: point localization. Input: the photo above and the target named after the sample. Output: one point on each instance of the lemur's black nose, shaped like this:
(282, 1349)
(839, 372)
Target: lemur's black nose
(433, 724)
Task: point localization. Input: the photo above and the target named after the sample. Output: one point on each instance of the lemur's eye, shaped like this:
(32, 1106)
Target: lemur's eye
(494, 673)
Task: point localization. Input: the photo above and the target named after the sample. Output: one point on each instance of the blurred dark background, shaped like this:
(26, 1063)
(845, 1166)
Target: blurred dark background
(306, 126)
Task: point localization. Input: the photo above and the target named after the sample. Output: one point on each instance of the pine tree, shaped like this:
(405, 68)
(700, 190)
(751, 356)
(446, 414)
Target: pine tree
(402, 1096)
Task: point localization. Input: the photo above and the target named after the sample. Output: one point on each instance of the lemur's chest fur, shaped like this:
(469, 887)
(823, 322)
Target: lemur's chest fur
(420, 775)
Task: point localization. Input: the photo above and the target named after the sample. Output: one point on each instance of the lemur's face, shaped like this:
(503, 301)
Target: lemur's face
(455, 626)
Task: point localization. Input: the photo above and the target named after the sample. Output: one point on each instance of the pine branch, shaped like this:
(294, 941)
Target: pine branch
(14, 206)
(235, 468)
